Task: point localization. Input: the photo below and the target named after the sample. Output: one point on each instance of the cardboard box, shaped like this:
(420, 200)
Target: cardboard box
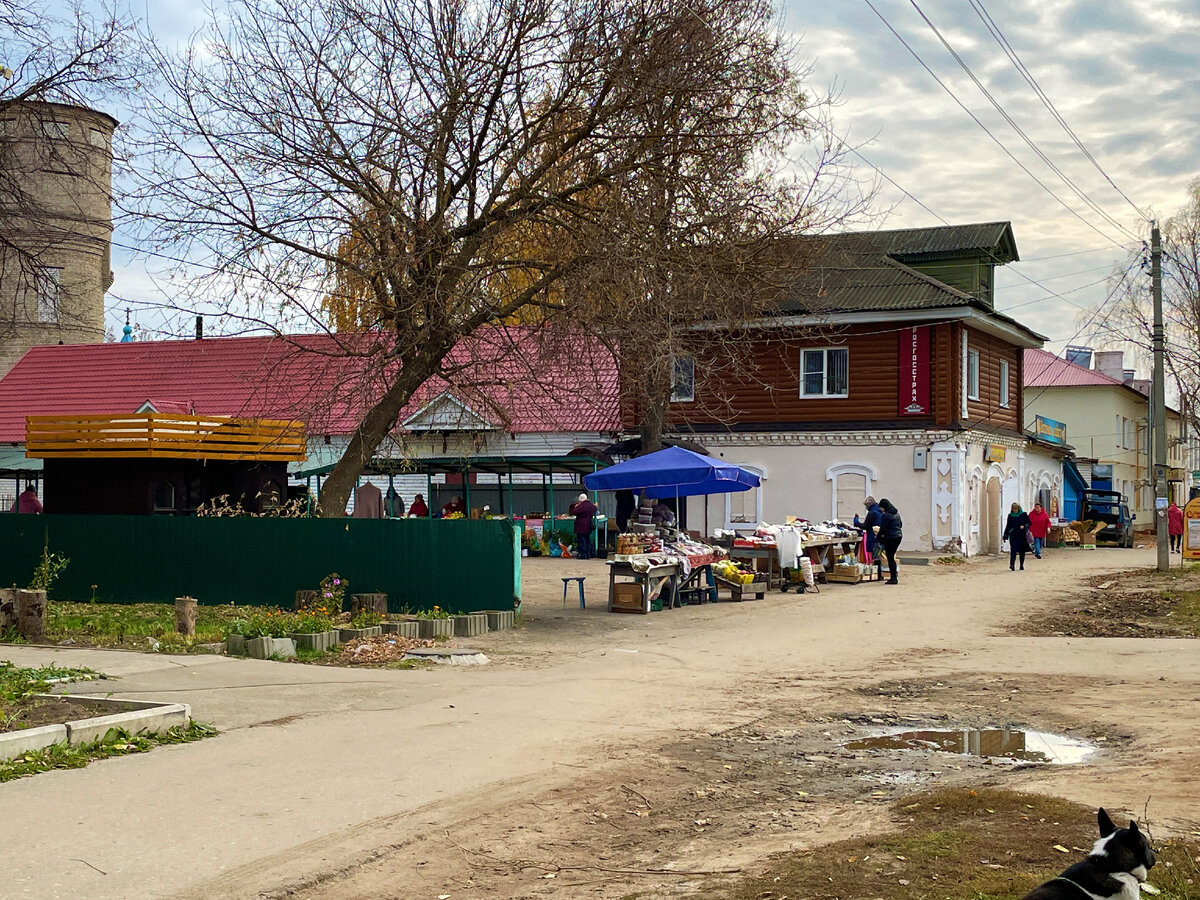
(628, 597)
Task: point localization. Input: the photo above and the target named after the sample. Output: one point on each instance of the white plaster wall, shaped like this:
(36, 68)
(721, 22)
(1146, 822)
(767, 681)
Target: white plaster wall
(796, 484)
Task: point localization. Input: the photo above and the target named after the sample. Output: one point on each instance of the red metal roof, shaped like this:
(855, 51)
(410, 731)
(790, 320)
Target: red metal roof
(1044, 369)
(510, 376)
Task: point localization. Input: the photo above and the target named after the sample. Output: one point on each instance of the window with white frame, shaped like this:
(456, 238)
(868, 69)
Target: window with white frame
(743, 509)
(972, 374)
(683, 379)
(48, 286)
(825, 372)
(1004, 383)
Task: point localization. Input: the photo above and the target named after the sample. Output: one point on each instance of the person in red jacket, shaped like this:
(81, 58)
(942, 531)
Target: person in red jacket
(1175, 527)
(1039, 527)
(28, 501)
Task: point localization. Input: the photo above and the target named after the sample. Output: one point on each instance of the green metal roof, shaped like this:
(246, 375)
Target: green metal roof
(850, 273)
(493, 465)
(993, 240)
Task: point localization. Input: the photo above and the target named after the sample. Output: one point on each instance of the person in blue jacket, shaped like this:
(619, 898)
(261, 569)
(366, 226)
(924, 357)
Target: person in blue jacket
(873, 517)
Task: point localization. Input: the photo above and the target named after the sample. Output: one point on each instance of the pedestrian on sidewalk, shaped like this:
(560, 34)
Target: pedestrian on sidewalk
(1175, 527)
(891, 532)
(1039, 527)
(1016, 532)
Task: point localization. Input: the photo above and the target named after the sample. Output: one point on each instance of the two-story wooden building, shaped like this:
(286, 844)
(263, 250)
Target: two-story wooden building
(887, 372)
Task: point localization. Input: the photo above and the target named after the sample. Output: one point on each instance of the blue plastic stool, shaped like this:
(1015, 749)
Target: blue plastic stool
(578, 578)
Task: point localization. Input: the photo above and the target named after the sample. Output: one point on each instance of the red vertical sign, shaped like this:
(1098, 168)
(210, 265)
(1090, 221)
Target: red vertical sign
(913, 378)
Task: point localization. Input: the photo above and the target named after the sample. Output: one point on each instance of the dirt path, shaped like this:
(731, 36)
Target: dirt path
(805, 675)
(621, 755)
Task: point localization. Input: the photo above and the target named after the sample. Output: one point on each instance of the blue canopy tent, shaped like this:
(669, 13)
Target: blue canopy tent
(674, 472)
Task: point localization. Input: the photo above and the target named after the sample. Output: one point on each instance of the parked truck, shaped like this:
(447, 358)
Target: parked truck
(1112, 508)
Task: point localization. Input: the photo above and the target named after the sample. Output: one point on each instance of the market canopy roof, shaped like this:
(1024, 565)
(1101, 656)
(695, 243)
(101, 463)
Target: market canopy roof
(673, 472)
(14, 464)
(492, 465)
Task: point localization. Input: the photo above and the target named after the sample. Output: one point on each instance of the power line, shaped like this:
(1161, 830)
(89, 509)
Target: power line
(984, 127)
(1079, 192)
(990, 24)
(1051, 294)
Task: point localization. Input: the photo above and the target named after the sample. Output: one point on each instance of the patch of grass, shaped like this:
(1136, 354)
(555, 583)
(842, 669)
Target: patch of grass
(1186, 614)
(132, 624)
(18, 684)
(304, 655)
(949, 561)
(117, 742)
(983, 844)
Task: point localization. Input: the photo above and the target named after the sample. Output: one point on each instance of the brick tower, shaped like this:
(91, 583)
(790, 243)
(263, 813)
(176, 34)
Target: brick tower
(55, 225)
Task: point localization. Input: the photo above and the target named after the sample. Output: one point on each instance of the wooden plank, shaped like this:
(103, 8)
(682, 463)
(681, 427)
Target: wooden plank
(139, 436)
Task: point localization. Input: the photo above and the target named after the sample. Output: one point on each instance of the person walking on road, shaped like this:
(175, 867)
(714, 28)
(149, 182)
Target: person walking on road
(1175, 527)
(1039, 527)
(1016, 532)
(891, 532)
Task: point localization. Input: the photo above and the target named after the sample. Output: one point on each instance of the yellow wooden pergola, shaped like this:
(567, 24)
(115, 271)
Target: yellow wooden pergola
(162, 435)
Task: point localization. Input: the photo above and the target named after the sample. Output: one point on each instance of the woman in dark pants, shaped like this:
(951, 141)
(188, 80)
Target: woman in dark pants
(1016, 532)
(891, 532)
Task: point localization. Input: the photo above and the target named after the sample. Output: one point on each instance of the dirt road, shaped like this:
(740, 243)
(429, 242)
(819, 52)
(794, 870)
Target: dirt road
(621, 755)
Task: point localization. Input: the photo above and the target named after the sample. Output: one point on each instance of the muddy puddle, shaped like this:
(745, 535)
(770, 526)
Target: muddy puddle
(993, 743)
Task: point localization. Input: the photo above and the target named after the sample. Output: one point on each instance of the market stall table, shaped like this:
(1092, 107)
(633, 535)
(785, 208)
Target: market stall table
(824, 552)
(769, 552)
(644, 583)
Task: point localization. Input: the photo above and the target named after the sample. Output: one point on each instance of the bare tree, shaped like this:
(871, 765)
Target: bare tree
(1127, 317)
(440, 135)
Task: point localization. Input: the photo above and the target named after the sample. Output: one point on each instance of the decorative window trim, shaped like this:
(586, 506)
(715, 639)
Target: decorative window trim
(1005, 399)
(972, 374)
(825, 394)
(761, 472)
(832, 473)
(687, 361)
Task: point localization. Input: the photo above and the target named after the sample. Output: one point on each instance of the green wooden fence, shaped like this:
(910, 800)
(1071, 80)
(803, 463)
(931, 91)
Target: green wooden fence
(458, 564)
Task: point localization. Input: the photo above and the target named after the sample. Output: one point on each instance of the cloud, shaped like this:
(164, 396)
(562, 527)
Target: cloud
(1121, 73)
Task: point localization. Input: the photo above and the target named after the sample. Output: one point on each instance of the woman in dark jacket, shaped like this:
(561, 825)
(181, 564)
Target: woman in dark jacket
(1016, 532)
(874, 517)
(891, 532)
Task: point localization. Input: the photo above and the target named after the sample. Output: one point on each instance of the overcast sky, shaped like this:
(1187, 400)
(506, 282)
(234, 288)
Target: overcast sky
(1124, 74)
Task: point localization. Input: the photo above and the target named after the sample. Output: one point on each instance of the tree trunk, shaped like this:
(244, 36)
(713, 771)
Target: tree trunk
(375, 603)
(185, 616)
(375, 426)
(8, 609)
(31, 615)
(651, 427)
(306, 599)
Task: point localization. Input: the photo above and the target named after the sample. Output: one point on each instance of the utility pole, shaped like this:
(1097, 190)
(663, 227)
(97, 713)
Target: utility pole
(1159, 403)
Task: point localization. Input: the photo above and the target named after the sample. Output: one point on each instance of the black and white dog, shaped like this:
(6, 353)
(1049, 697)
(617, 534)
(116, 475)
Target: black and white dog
(1115, 868)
